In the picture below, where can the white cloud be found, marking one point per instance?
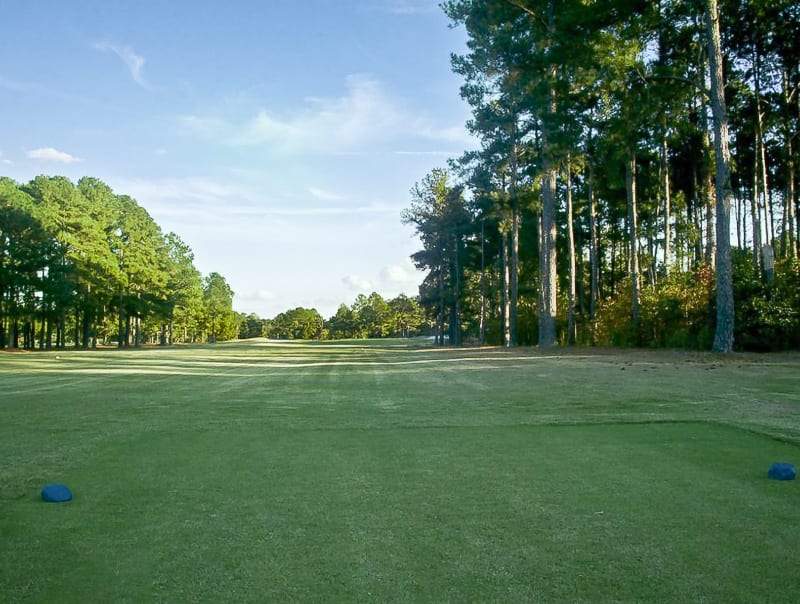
(358, 284)
(328, 211)
(324, 195)
(400, 276)
(201, 199)
(360, 117)
(391, 281)
(184, 189)
(366, 118)
(51, 154)
(134, 62)
(5, 161)
(261, 295)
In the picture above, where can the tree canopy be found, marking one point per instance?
(603, 205)
(80, 264)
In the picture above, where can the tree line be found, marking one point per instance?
(635, 182)
(81, 265)
(367, 317)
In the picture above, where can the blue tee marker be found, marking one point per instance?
(781, 470)
(56, 493)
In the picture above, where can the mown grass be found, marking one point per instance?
(308, 472)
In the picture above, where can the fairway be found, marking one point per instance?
(394, 472)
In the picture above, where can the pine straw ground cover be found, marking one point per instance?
(269, 472)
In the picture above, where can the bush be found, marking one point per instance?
(676, 313)
(767, 313)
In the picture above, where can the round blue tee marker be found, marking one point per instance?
(56, 493)
(781, 470)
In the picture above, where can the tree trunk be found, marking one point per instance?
(755, 215)
(121, 322)
(667, 202)
(710, 201)
(515, 225)
(741, 223)
(694, 216)
(547, 250)
(633, 240)
(512, 321)
(723, 337)
(547, 278)
(440, 320)
(708, 207)
(571, 331)
(482, 328)
(506, 290)
(455, 314)
(594, 254)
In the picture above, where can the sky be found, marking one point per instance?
(278, 138)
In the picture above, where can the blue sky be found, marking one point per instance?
(279, 139)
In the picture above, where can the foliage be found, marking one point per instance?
(297, 324)
(219, 318)
(676, 314)
(80, 264)
(368, 317)
(250, 326)
(600, 122)
(442, 220)
(767, 312)
(679, 313)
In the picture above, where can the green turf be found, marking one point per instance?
(394, 473)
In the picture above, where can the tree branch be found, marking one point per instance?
(527, 10)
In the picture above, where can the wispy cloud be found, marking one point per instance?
(407, 7)
(430, 153)
(357, 284)
(51, 154)
(261, 295)
(197, 198)
(5, 161)
(366, 118)
(324, 195)
(400, 276)
(390, 281)
(185, 189)
(134, 62)
(327, 211)
(34, 88)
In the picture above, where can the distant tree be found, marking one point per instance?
(405, 316)
(250, 326)
(218, 308)
(297, 324)
(77, 225)
(372, 316)
(184, 293)
(82, 264)
(27, 255)
(442, 220)
(343, 324)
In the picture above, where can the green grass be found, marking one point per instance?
(395, 473)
